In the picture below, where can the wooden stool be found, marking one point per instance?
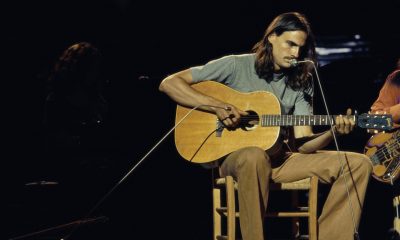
(228, 210)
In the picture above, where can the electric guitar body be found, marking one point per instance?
(384, 151)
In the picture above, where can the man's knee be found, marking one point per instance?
(361, 163)
(255, 157)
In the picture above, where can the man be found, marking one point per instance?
(388, 100)
(269, 68)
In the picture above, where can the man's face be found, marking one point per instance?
(286, 47)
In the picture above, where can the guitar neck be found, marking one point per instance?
(298, 120)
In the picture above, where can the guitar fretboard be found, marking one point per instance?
(297, 120)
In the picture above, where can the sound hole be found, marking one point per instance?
(250, 121)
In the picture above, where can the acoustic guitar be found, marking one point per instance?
(202, 138)
(384, 151)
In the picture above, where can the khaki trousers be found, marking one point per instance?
(251, 167)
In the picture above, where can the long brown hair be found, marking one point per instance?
(73, 69)
(298, 77)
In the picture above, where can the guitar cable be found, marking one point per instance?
(295, 63)
(134, 167)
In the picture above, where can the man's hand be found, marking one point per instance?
(344, 124)
(230, 115)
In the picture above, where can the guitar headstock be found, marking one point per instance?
(382, 122)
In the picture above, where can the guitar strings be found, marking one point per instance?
(287, 116)
(382, 156)
(392, 146)
(277, 120)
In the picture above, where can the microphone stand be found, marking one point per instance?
(294, 63)
(63, 226)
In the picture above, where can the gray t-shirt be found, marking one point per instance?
(238, 72)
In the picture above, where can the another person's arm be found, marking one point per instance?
(389, 98)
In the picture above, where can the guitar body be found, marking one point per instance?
(196, 138)
(384, 151)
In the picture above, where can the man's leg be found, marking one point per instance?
(251, 168)
(336, 220)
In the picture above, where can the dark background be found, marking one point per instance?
(165, 197)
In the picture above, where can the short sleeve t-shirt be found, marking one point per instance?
(238, 72)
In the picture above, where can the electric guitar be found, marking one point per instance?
(202, 138)
(384, 151)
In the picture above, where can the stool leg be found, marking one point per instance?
(295, 220)
(231, 212)
(312, 204)
(217, 217)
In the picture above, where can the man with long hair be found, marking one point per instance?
(270, 68)
(75, 112)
